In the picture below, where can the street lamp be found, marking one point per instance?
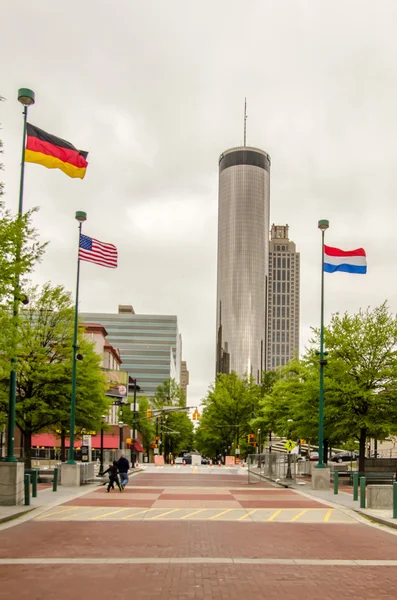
(101, 457)
(323, 226)
(289, 474)
(259, 441)
(80, 216)
(121, 425)
(27, 98)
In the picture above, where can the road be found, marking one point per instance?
(200, 533)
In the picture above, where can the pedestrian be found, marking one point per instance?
(123, 466)
(113, 477)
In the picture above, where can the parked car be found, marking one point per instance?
(313, 456)
(179, 460)
(344, 457)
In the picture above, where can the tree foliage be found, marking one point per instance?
(360, 385)
(44, 368)
(229, 407)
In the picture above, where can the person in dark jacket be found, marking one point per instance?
(123, 466)
(113, 477)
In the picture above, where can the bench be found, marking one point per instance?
(381, 477)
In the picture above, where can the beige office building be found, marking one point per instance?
(283, 299)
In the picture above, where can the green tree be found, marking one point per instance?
(229, 408)
(143, 424)
(362, 374)
(169, 393)
(44, 367)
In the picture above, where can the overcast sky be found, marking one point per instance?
(155, 92)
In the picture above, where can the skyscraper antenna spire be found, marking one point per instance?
(245, 121)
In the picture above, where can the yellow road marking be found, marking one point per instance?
(251, 512)
(327, 516)
(166, 513)
(195, 470)
(275, 514)
(221, 513)
(145, 510)
(113, 512)
(296, 517)
(196, 512)
(58, 512)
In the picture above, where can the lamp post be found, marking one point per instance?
(289, 474)
(259, 441)
(27, 98)
(101, 457)
(121, 425)
(80, 217)
(133, 454)
(323, 226)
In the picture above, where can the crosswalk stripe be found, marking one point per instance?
(166, 513)
(113, 512)
(275, 514)
(251, 512)
(138, 513)
(196, 512)
(327, 516)
(221, 513)
(296, 517)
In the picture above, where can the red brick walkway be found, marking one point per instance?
(185, 540)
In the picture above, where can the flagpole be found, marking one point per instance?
(323, 226)
(80, 217)
(26, 97)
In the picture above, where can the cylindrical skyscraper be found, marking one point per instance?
(243, 250)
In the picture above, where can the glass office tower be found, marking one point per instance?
(243, 259)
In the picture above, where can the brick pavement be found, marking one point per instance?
(226, 545)
(198, 582)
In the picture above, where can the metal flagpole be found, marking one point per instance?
(26, 98)
(80, 217)
(323, 226)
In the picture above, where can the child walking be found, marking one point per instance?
(113, 477)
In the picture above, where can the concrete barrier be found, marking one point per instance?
(380, 496)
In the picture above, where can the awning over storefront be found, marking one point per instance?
(137, 446)
(50, 440)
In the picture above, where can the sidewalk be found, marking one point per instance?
(345, 499)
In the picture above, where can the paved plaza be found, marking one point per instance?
(200, 534)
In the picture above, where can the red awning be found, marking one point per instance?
(50, 440)
(137, 446)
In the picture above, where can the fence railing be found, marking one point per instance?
(273, 466)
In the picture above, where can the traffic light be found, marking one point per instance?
(149, 413)
(250, 438)
(196, 415)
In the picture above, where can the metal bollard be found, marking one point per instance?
(27, 490)
(355, 486)
(55, 480)
(336, 482)
(35, 477)
(395, 500)
(362, 492)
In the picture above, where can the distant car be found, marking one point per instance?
(179, 460)
(344, 457)
(313, 456)
(204, 461)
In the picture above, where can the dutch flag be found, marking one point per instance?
(349, 261)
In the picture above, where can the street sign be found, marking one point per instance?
(237, 451)
(289, 445)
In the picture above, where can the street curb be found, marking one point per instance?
(379, 520)
(16, 516)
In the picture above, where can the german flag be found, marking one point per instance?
(54, 153)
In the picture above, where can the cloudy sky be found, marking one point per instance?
(155, 92)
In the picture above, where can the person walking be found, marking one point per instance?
(113, 477)
(123, 466)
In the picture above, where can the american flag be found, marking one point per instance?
(93, 250)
